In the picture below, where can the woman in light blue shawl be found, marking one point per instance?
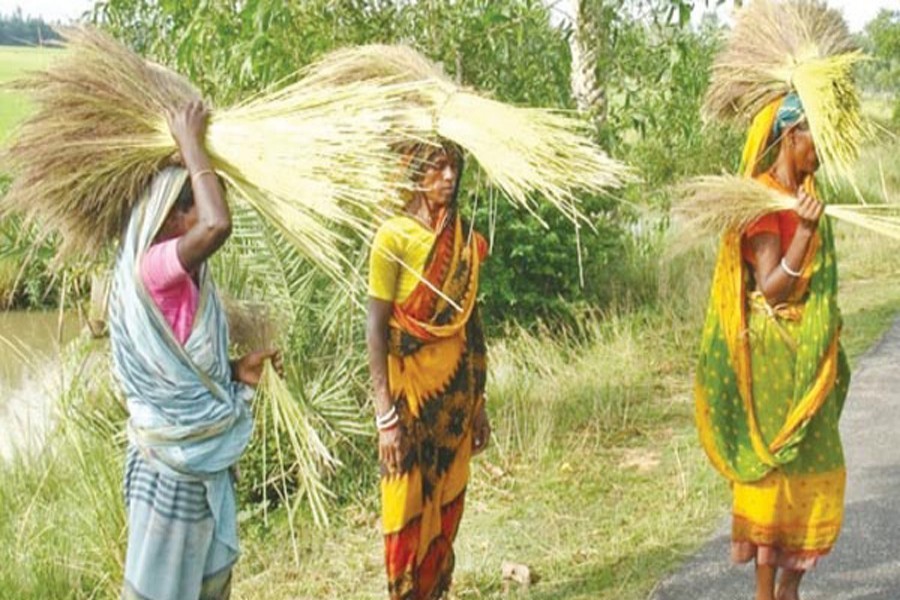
(189, 417)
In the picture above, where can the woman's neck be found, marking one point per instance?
(785, 174)
(420, 210)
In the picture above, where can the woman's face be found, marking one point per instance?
(188, 219)
(803, 149)
(439, 179)
(179, 222)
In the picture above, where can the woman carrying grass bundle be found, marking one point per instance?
(427, 359)
(189, 421)
(773, 377)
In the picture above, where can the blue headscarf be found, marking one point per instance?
(789, 114)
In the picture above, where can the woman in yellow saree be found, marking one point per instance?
(427, 360)
(772, 377)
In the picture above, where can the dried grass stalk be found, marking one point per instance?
(527, 152)
(302, 457)
(312, 159)
(779, 46)
(317, 158)
(251, 325)
(85, 154)
(711, 204)
(706, 206)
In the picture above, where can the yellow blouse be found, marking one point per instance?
(398, 257)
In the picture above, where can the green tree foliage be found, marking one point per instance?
(19, 30)
(882, 40)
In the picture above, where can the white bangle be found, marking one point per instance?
(388, 424)
(789, 270)
(390, 415)
(199, 174)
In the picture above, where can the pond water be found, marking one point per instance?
(29, 369)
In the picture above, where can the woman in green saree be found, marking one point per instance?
(772, 377)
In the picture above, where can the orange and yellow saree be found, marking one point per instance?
(436, 376)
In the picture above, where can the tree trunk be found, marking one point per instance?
(589, 96)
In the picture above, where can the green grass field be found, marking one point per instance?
(14, 62)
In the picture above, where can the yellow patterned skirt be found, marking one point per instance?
(793, 516)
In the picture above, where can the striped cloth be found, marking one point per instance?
(155, 501)
(188, 424)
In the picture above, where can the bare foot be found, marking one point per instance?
(765, 582)
(789, 585)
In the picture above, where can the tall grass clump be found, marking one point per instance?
(605, 377)
(63, 523)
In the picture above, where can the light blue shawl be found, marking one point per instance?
(187, 419)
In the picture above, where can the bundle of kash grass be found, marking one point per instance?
(301, 455)
(301, 420)
(313, 159)
(779, 46)
(706, 206)
(526, 152)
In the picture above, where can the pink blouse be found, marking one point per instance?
(171, 287)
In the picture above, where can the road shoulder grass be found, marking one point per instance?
(596, 480)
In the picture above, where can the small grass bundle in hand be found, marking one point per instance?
(301, 454)
(706, 206)
(710, 204)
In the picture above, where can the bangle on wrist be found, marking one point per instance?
(389, 425)
(788, 269)
(388, 419)
(201, 173)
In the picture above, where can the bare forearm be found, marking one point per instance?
(212, 210)
(213, 225)
(195, 157)
(377, 341)
(378, 369)
(778, 284)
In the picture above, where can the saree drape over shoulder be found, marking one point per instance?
(436, 374)
(188, 424)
